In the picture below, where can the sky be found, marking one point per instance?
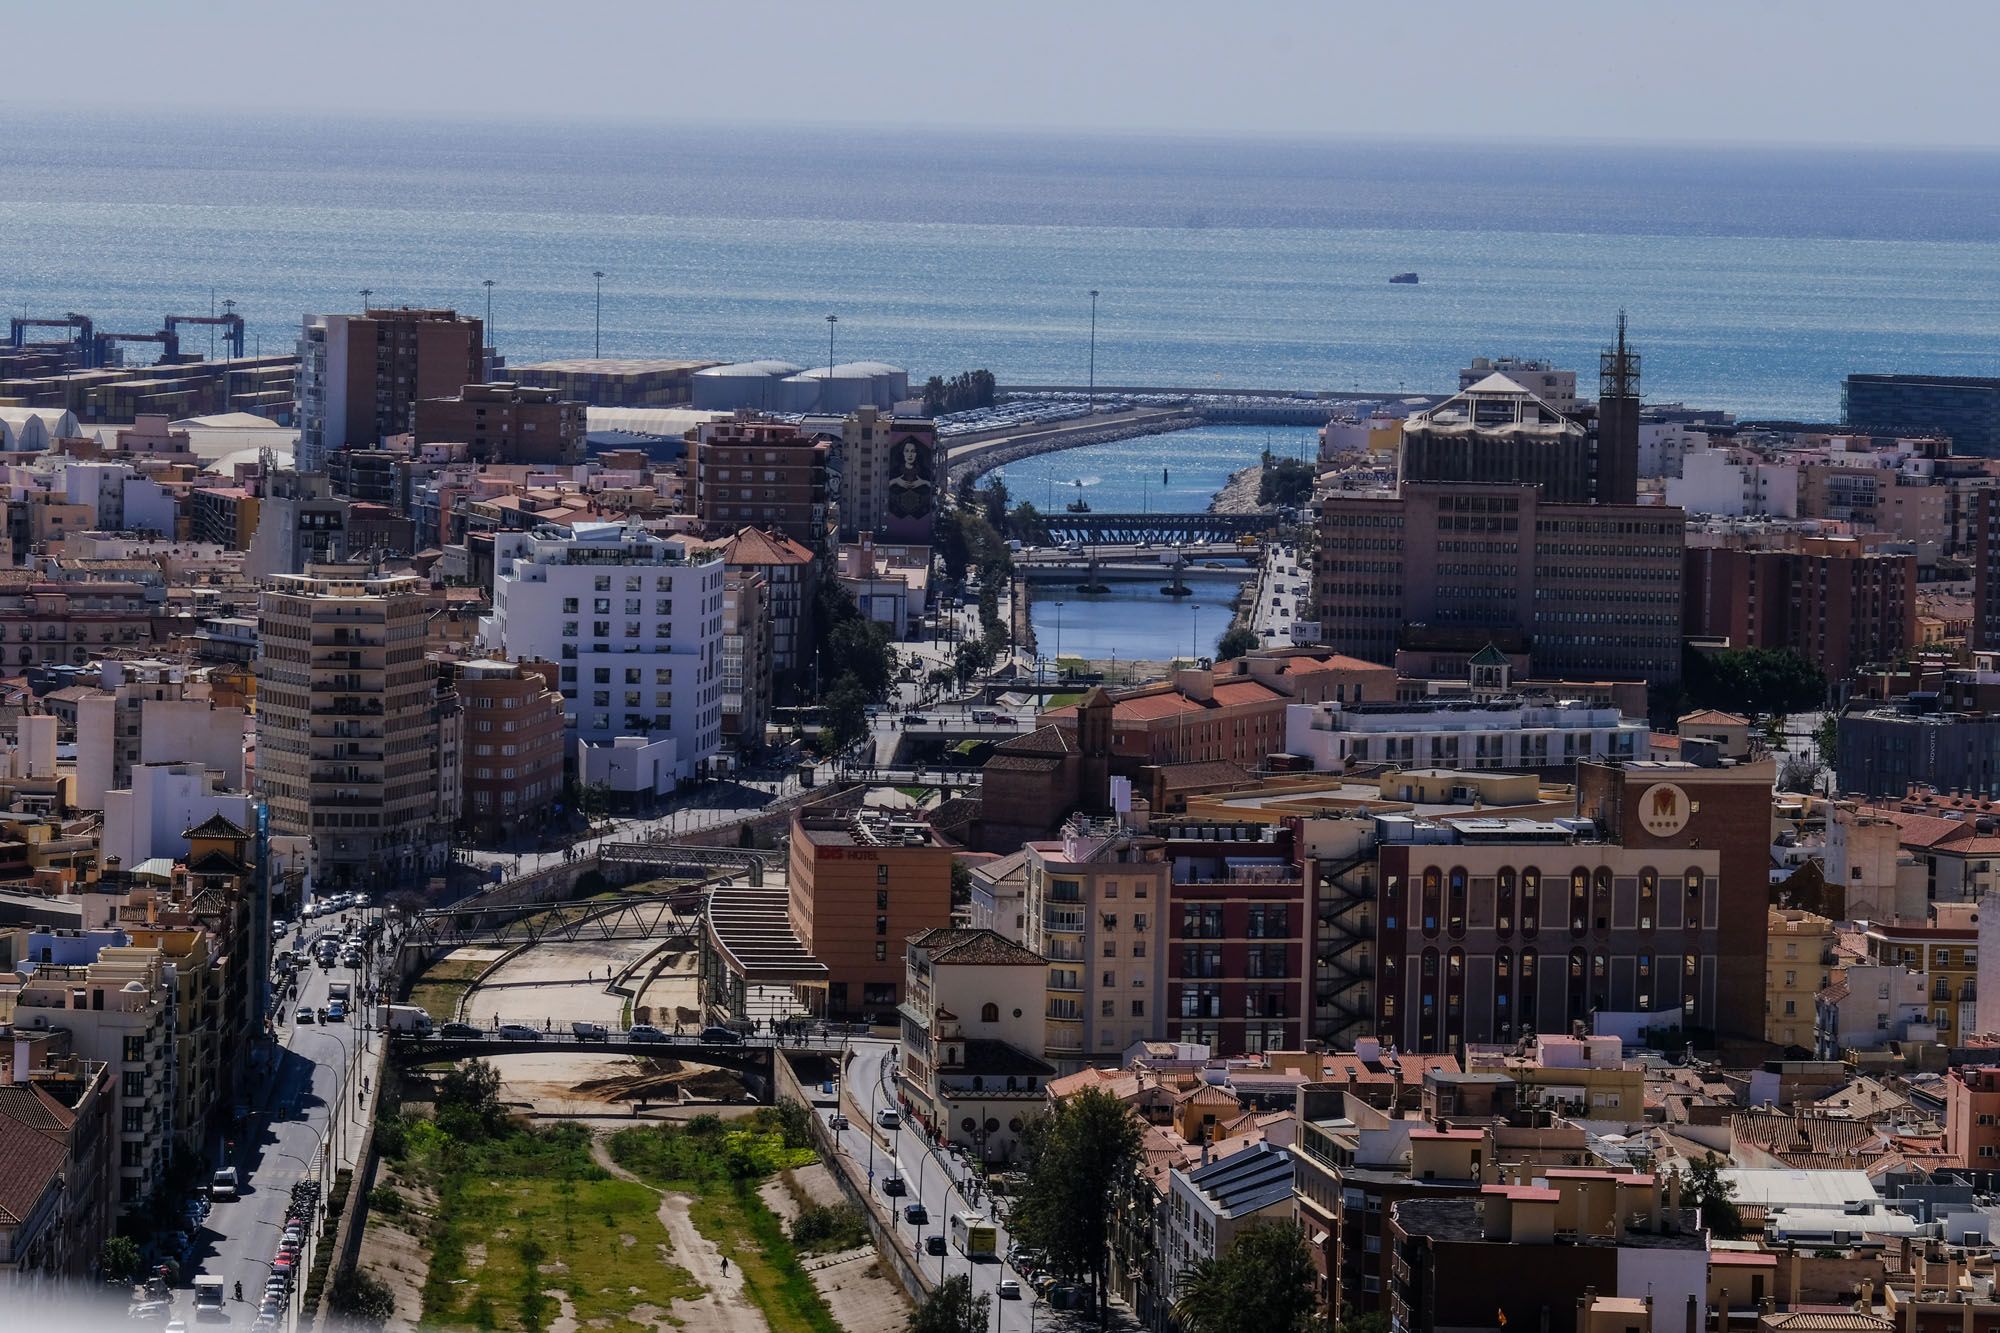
(1834, 72)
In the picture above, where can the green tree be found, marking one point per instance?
(1285, 481)
(961, 883)
(1354, 1321)
(362, 1298)
(1082, 1164)
(846, 707)
(952, 1308)
(933, 395)
(860, 648)
(1241, 639)
(1752, 680)
(1826, 736)
(1027, 524)
(994, 502)
(1263, 1281)
(1703, 1187)
(954, 545)
(468, 1101)
(119, 1259)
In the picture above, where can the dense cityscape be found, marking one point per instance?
(1149, 714)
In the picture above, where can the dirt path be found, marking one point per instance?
(724, 1307)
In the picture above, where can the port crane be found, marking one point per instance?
(231, 325)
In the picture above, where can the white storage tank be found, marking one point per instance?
(753, 384)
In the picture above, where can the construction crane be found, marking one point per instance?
(17, 331)
(101, 345)
(231, 325)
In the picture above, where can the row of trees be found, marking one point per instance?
(1285, 481)
(854, 655)
(961, 393)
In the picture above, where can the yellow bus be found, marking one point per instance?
(974, 1236)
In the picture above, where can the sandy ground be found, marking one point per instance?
(673, 993)
(861, 1298)
(554, 984)
(725, 1306)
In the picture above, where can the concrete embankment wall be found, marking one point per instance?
(975, 458)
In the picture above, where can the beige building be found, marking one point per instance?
(118, 1011)
(347, 726)
(746, 659)
(972, 1028)
(145, 714)
(1797, 961)
(1096, 900)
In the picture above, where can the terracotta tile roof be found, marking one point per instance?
(1043, 740)
(1151, 707)
(952, 944)
(1207, 773)
(32, 1149)
(754, 546)
(1921, 830)
(1229, 694)
(1714, 717)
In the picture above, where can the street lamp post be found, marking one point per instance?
(1059, 667)
(1093, 349)
(597, 343)
(831, 320)
(488, 285)
(1194, 648)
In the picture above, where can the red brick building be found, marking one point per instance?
(511, 764)
(1833, 600)
(1238, 919)
(746, 471)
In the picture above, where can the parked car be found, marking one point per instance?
(461, 1031)
(916, 1215)
(721, 1036)
(644, 1032)
(894, 1187)
(519, 1032)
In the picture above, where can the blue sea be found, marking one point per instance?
(1755, 279)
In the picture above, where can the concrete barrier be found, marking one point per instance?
(899, 1264)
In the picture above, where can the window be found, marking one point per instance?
(1138, 1008)
(881, 925)
(135, 1050)
(881, 951)
(1110, 948)
(881, 900)
(1138, 948)
(1139, 919)
(881, 874)
(1108, 1009)
(989, 1012)
(1110, 979)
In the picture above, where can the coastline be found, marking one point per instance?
(1239, 496)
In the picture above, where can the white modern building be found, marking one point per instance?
(633, 618)
(1209, 1205)
(164, 801)
(1504, 734)
(1731, 483)
(144, 715)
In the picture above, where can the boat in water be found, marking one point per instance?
(1078, 505)
(1404, 279)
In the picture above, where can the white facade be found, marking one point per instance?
(1497, 735)
(1555, 387)
(164, 801)
(633, 619)
(630, 765)
(145, 718)
(1664, 447)
(1208, 1206)
(1732, 483)
(120, 500)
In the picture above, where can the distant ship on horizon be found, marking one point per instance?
(1404, 279)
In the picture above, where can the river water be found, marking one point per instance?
(1134, 620)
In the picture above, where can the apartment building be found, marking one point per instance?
(300, 522)
(1239, 926)
(348, 749)
(1965, 409)
(57, 1210)
(1510, 734)
(972, 1034)
(633, 621)
(119, 1011)
(142, 714)
(1972, 1117)
(791, 580)
(749, 471)
(858, 884)
(361, 376)
(1799, 956)
(746, 660)
(1945, 955)
(511, 766)
(1095, 905)
(225, 516)
(52, 622)
(888, 470)
(1834, 600)
(506, 423)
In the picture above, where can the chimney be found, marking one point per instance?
(21, 1049)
